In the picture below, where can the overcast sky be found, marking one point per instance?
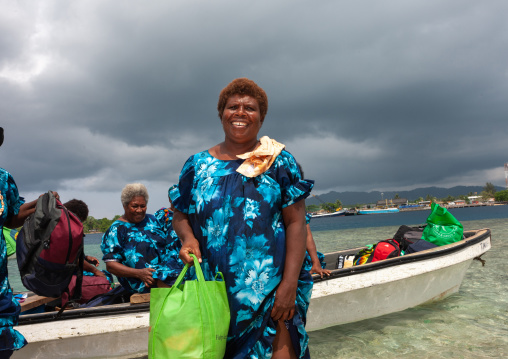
(367, 95)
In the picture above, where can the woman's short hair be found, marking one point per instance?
(78, 207)
(133, 190)
(243, 86)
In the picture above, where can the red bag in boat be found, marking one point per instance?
(384, 250)
(49, 248)
(91, 286)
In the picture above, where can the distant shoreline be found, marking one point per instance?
(451, 207)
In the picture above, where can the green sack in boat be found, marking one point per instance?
(10, 240)
(442, 227)
(189, 320)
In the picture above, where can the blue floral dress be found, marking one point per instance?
(152, 243)
(238, 223)
(10, 201)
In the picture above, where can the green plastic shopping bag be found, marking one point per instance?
(190, 319)
(10, 240)
(442, 227)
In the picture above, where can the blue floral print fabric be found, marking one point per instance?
(238, 223)
(10, 201)
(307, 262)
(152, 243)
(164, 217)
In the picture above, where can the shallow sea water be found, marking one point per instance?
(472, 323)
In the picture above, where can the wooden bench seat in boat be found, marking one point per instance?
(34, 301)
(139, 298)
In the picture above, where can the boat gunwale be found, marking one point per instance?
(477, 236)
(80, 313)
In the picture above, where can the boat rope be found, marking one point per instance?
(482, 261)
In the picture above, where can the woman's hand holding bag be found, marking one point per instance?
(190, 319)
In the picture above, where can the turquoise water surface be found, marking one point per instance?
(472, 323)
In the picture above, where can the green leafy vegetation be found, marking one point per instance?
(501, 196)
(313, 208)
(98, 225)
(489, 191)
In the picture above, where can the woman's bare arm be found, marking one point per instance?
(296, 235)
(312, 250)
(25, 210)
(121, 270)
(190, 244)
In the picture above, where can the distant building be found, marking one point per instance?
(474, 199)
(392, 202)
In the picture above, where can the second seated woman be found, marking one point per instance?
(138, 248)
(240, 209)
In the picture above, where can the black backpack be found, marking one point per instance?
(406, 236)
(419, 245)
(49, 249)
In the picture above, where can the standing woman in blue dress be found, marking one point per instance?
(13, 212)
(239, 207)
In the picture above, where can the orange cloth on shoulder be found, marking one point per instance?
(259, 161)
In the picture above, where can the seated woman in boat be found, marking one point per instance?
(139, 249)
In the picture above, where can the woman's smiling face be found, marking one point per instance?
(241, 119)
(135, 211)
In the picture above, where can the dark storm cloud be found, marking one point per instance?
(366, 95)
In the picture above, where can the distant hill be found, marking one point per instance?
(352, 198)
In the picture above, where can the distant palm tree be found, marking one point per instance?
(449, 199)
(490, 189)
(338, 204)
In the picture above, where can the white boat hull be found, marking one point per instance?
(378, 211)
(391, 289)
(116, 336)
(352, 303)
(333, 214)
(369, 291)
